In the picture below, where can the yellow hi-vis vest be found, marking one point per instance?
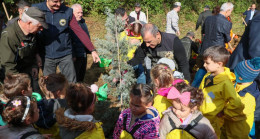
(128, 134)
(96, 133)
(183, 133)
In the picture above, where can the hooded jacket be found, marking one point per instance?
(220, 95)
(203, 130)
(78, 126)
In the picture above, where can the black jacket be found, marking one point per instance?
(248, 46)
(189, 46)
(202, 18)
(217, 32)
(170, 47)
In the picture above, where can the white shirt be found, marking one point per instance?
(172, 22)
(142, 16)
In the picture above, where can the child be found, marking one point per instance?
(219, 93)
(78, 121)
(184, 115)
(162, 78)
(141, 120)
(15, 85)
(20, 113)
(246, 72)
(54, 88)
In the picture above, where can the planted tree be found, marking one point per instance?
(121, 76)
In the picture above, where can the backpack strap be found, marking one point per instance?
(193, 123)
(29, 134)
(172, 123)
(124, 122)
(135, 128)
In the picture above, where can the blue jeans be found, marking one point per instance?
(198, 77)
(139, 72)
(65, 64)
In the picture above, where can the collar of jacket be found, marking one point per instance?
(46, 9)
(69, 113)
(20, 33)
(226, 75)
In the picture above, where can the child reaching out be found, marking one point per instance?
(141, 120)
(54, 88)
(20, 113)
(184, 115)
(78, 121)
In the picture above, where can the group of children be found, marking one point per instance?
(224, 106)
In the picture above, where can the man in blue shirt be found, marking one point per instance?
(56, 40)
(250, 13)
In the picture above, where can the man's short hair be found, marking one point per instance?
(217, 54)
(76, 6)
(153, 29)
(22, 3)
(120, 11)
(226, 6)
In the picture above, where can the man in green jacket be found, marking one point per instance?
(17, 43)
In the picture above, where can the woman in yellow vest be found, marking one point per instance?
(77, 122)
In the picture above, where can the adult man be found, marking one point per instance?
(157, 45)
(203, 15)
(138, 14)
(217, 28)
(22, 5)
(250, 13)
(56, 39)
(188, 44)
(173, 19)
(78, 48)
(17, 43)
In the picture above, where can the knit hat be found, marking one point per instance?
(247, 70)
(168, 62)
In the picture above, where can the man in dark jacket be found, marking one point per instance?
(57, 40)
(248, 46)
(157, 45)
(17, 43)
(78, 48)
(216, 29)
(203, 15)
(250, 13)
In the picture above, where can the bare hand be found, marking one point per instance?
(95, 57)
(134, 41)
(34, 73)
(39, 60)
(178, 33)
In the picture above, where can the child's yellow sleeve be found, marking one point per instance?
(234, 106)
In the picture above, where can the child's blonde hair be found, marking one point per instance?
(15, 83)
(163, 74)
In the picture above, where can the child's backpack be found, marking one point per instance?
(183, 133)
(128, 134)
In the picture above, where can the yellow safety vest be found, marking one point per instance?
(183, 133)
